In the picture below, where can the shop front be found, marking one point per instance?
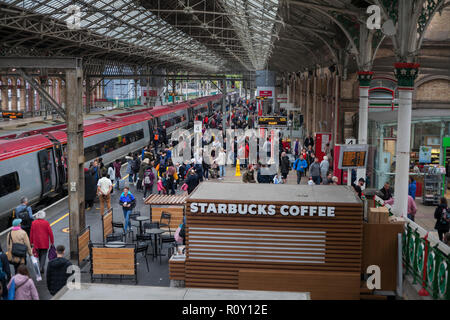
(428, 146)
(276, 238)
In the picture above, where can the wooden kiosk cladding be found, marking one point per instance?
(83, 240)
(225, 250)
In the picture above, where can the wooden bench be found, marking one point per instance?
(113, 261)
(83, 240)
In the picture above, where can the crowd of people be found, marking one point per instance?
(21, 246)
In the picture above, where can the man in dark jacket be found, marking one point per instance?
(192, 181)
(386, 192)
(57, 271)
(5, 274)
(90, 188)
(285, 166)
(309, 141)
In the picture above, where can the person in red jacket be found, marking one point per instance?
(40, 234)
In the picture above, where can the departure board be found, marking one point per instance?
(354, 159)
(272, 121)
(12, 114)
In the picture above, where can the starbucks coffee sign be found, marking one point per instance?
(261, 209)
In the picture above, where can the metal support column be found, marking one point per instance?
(224, 102)
(75, 147)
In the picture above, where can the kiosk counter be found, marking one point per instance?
(275, 237)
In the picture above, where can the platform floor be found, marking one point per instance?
(116, 292)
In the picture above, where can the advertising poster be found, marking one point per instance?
(425, 154)
(321, 143)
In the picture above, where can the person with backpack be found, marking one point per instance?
(300, 166)
(24, 212)
(41, 237)
(18, 245)
(5, 275)
(117, 176)
(442, 216)
(23, 285)
(140, 182)
(148, 180)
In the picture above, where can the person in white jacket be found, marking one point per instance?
(220, 160)
(324, 167)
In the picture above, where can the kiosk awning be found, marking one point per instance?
(163, 200)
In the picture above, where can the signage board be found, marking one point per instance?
(12, 114)
(353, 156)
(265, 93)
(425, 154)
(273, 121)
(197, 127)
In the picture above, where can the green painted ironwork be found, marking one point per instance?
(437, 280)
(125, 103)
(406, 74)
(437, 273)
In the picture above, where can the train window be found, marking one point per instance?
(110, 145)
(9, 183)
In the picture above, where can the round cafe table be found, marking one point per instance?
(141, 219)
(115, 244)
(155, 232)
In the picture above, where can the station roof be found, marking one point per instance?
(210, 36)
(269, 193)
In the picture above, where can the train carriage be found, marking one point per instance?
(33, 164)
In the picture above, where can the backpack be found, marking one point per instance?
(135, 165)
(26, 221)
(149, 177)
(445, 216)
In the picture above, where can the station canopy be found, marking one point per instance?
(209, 36)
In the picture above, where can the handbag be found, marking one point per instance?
(51, 253)
(18, 249)
(184, 187)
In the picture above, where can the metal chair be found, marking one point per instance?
(114, 237)
(165, 216)
(142, 248)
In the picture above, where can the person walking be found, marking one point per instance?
(285, 166)
(41, 236)
(412, 188)
(104, 188)
(18, 245)
(5, 274)
(135, 166)
(314, 171)
(442, 216)
(129, 171)
(148, 180)
(112, 174)
(144, 165)
(89, 187)
(296, 148)
(324, 167)
(309, 141)
(24, 285)
(221, 159)
(24, 212)
(155, 173)
(117, 176)
(300, 166)
(57, 271)
(127, 201)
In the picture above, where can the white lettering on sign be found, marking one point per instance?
(262, 209)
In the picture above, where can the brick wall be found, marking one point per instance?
(435, 90)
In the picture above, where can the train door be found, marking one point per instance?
(150, 129)
(59, 163)
(47, 171)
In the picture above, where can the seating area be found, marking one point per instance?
(119, 253)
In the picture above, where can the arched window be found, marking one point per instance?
(383, 95)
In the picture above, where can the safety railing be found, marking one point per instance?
(425, 258)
